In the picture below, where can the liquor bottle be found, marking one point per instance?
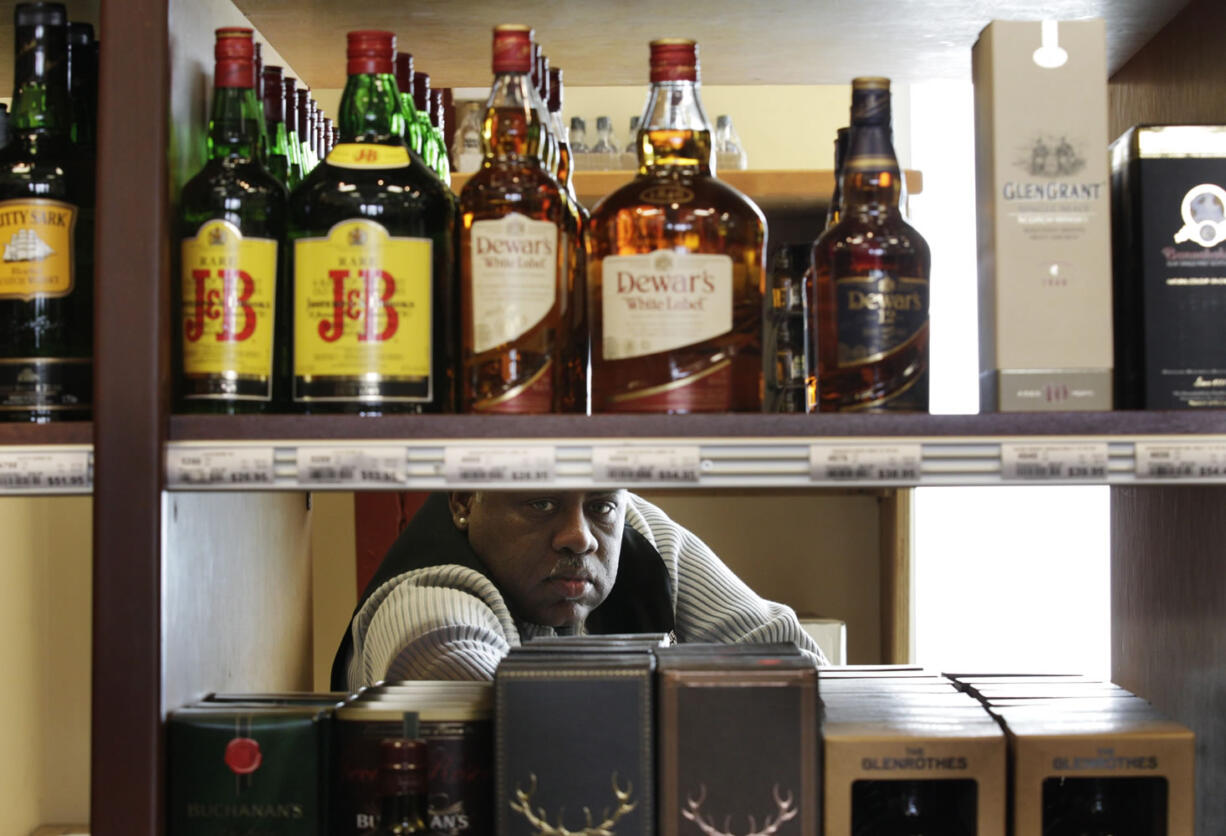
(278, 161)
(306, 155)
(46, 275)
(438, 124)
(549, 143)
(729, 151)
(629, 158)
(675, 270)
(512, 251)
(834, 210)
(790, 384)
(232, 322)
(578, 135)
(317, 134)
(575, 353)
(371, 231)
(910, 808)
(4, 125)
(404, 85)
(421, 116)
(869, 316)
(294, 144)
(83, 85)
(402, 787)
(466, 153)
(606, 142)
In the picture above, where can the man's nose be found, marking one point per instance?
(573, 533)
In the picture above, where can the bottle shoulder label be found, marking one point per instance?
(368, 155)
(37, 239)
(514, 268)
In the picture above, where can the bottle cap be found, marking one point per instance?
(723, 120)
(674, 59)
(40, 14)
(577, 124)
(233, 52)
(304, 112)
(404, 72)
(421, 92)
(274, 94)
(603, 123)
(437, 110)
(512, 48)
(555, 89)
(870, 101)
(80, 34)
(370, 52)
(543, 85)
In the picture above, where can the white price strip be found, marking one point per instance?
(214, 468)
(1053, 462)
(1180, 460)
(864, 463)
(646, 464)
(53, 471)
(359, 466)
(476, 465)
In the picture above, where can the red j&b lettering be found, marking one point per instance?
(230, 304)
(361, 303)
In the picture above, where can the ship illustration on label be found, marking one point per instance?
(1050, 156)
(1204, 216)
(538, 818)
(25, 245)
(785, 811)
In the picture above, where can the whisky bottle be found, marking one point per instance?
(512, 251)
(231, 323)
(371, 233)
(575, 354)
(305, 155)
(834, 210)
(790, 385)
(278, 161)
(404, 85)
(675, 270)
(296, 171)
(46, 275)
(549, 142)
(421, 115)
(870, 311)
(438, 124)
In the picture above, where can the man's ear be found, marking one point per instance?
(461, 503)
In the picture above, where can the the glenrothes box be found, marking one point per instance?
(1044, 216)
(1169, 200)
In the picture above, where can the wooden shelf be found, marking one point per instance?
(42, 435)
(768, 189)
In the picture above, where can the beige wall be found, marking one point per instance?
(45, 612)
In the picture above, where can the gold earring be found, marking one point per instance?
(461, 521)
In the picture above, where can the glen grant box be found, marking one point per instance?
(738, 739)
(573, 743)
(1044, 216)
(1169, 196)
(248, 769)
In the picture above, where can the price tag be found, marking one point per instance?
(476, 465)
(65, 470)
(1180, 460)
(1053, 462)
(187, 468)
(646, 464)
(873, 464)
(358, 466)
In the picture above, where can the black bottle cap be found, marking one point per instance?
(40, 14)
(80, 34)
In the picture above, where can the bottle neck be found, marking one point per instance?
(674, 132)
(512, 126)
(236, 128)
(40, 85)
(371, 110)
(405, 810)
(566, 165)
(871, 177)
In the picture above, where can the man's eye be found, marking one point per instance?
(603, 508)
(544, 506)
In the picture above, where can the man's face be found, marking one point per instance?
(553, 554)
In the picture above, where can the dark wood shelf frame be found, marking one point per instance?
(40, 435)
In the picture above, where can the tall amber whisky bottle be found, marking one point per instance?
(675, 266)
(46, 274)
(371, 235)
(870, 311)
(512, 261)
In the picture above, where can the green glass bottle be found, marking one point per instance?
(371, 231)
(274, 120)
(305, 115)
(421, 114)
(438, 125)
(46, 275)
(291, 131)
(232, 324)
(404, 86)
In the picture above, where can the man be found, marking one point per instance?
(477, 573)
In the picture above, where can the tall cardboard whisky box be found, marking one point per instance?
(1121, 771)
(1044, 215)
(1169, 200)
(574, 735)
(738, 743)
(940, 771)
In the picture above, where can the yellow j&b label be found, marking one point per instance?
(368, 155)
(37, 258)
(229, 291)
(362, 303)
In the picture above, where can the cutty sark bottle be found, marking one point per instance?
(371, 231)
(675, 266)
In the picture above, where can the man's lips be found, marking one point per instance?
(571, 586)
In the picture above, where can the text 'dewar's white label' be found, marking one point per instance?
(663, 300)
(515, 277)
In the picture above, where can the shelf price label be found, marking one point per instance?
(371, 467)
(1073, 462)
(865, 464)
(241, 467)
(479, 465)
(60, 470)
(1191, 460)
(661, 465)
